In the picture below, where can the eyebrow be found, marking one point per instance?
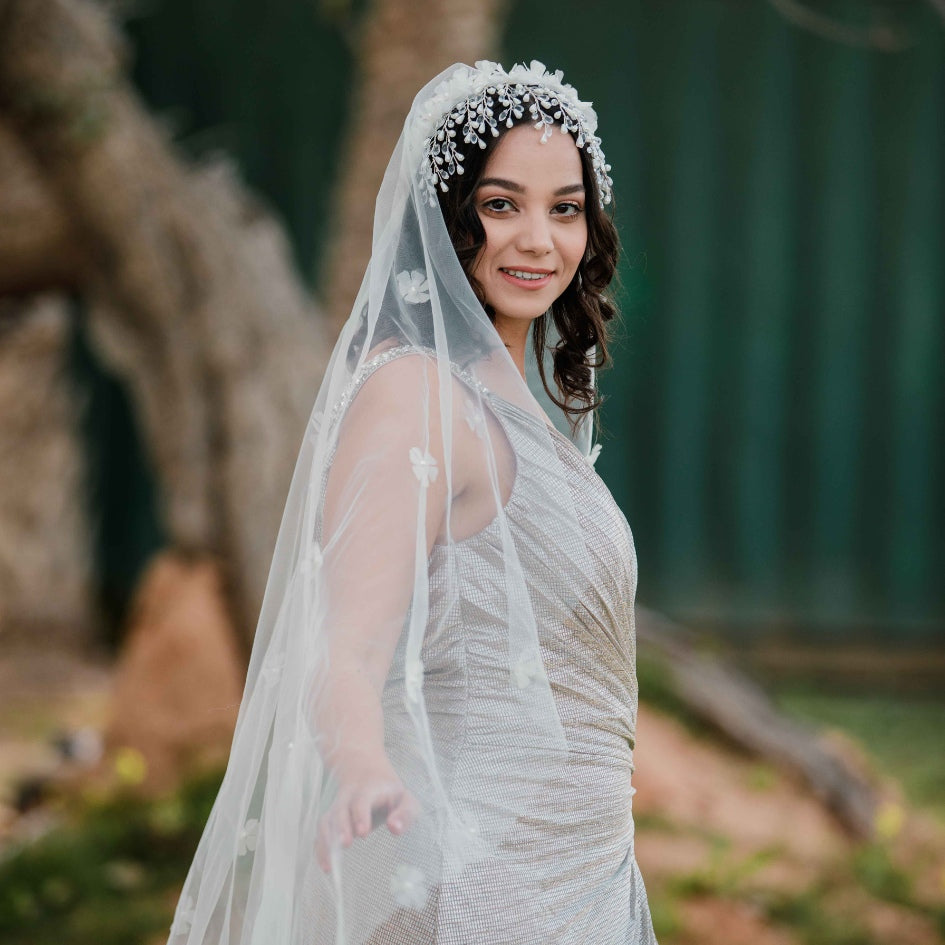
(519, 189)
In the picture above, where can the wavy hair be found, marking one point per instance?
(580, 314)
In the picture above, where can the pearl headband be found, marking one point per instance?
(474, 102)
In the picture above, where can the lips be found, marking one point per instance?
(526, 277)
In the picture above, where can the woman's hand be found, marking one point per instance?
(370, 793)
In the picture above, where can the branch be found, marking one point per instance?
(881, 37)
(736, 706)
(189, 282)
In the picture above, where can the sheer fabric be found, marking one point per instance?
(452, 573)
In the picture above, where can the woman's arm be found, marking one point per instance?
(373, 500)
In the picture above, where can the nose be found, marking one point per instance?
(534, 235)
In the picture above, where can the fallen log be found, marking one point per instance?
(725, 698)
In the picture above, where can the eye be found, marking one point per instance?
(568, 209)
(498, 204)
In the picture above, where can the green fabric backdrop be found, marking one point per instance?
(776, 418)
(777, 411)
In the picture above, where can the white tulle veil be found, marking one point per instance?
(373, 545)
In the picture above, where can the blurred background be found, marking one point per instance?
(186, 199)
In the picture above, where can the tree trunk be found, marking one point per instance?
(403, 44)
(45, 536)
(189, 282)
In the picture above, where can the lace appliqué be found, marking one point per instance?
(271, 672)
(475, 419)
(184, 918)
(248, 838)
(527, 668)
(424, 466)
(413, 286)
(315, 422)
(408, 887)
(311, 560)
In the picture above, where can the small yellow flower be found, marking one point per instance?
(889, 820)
(130, 766)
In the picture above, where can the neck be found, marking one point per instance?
(514, 335)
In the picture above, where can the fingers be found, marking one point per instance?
(360, 812)
(357, 815)
(333, 828)
(402, 812)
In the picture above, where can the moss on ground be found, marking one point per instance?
(109, 876)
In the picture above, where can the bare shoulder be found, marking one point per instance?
(405, 380)
(411, 379)
(401, 402)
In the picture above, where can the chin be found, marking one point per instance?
(525, 312)
(525, 316)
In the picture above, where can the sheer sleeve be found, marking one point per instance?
(385, 502)
(384, 505)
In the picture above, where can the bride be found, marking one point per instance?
(435, 744)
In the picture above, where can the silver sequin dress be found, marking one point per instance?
(568, 874)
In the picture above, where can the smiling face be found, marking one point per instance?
(531, 204)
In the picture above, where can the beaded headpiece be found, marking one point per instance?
(475, 102)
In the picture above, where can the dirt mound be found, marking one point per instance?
(724, 841)
(179, 677)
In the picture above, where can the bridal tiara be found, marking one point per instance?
(475, 102)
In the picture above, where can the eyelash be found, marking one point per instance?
(487, 204)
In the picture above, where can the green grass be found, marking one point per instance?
(724, 875)
(110, 875)
(810, 918)
(903, 735)
(108, 878)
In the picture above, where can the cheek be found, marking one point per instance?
(575, 247)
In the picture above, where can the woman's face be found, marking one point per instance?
(531, 204)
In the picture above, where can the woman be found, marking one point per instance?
(436, 739)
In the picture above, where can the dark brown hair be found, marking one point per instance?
(580, 313)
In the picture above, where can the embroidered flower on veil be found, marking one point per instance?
(413, 286)
(527, 669)
(185, 916)
(311, 560)
(408, 887)
(249, 835)
(475, 419)
(272, 669)
(424, 466)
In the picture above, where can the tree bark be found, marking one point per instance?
(45, 534)
(192, 296)
(38, 249)
(402, 45)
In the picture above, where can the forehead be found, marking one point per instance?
(522, 156)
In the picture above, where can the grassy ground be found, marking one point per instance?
(108, 877)
(904, 736)
(111, 873)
